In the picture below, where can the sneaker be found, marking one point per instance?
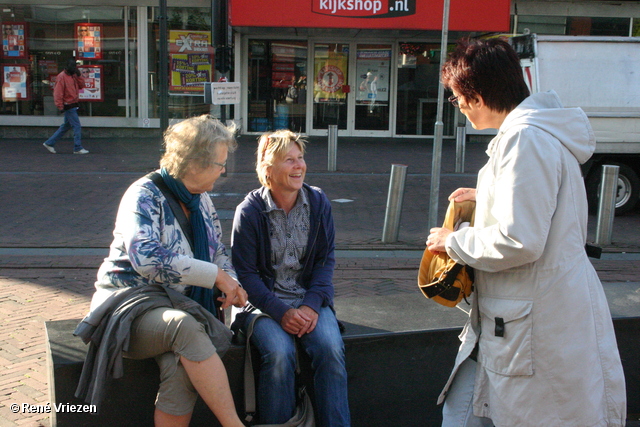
(82, 151)
(50, 148)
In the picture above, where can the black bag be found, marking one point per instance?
(303, 416)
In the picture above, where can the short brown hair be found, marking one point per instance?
(195, 142)
(487, 68)
(274, 145)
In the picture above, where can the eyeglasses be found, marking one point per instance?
(222, 165)
(454, 100)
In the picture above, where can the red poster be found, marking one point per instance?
(93, 90)
(89, 41)
(14, 40)
(15, 85)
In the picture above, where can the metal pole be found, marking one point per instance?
(461, 136)
(394, 204)
(332, 148)
(434, 193)
(163, 72)
(607, 204)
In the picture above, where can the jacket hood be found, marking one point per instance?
(569, 125)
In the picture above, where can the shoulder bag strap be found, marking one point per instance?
(249, 380)
(175, 206)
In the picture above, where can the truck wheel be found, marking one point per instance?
(627, 191)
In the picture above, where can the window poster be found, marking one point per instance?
(372, 67)
(89, 41)
(282, 66)
(330, 77)
(14, 42)
(14, 83)
(190, 58)
(92, 75)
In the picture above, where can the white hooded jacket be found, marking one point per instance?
(547, 350)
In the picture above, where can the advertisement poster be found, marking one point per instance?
(89, 41)
(14, 42)
(14, 83)
(330, 77)
(190, 61)
(372, 68)
(92, 83)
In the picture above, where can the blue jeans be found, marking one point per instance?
(276, 385)
(71, 120)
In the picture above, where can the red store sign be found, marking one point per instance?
(464, 15)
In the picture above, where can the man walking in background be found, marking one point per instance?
(66, 97)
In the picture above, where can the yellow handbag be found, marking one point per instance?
(440, 278)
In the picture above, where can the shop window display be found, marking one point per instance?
(191, 58)
(38, 40)
(277, 85)
(418, 74)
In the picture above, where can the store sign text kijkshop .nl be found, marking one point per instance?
(365, 8)
(464, 15)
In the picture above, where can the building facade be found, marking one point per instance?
(368, 66)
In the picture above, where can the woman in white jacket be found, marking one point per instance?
(539, 348)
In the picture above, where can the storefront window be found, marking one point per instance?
(417, 101)
(191, 62)
(548, 25)
(38, 42)
(573, 25)
(277, 85)
(585, 26)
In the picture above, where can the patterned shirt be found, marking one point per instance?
(289, 236)
(149, 246)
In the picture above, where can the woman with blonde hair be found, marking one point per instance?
(283, 251)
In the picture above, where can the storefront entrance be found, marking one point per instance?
(351, 88)
(366, 89)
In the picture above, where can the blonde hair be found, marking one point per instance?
(194, 142)
(273, 146)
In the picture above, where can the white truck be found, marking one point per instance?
(602, 76)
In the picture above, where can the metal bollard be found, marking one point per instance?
(332, 148)
(394, 204)
(461, 136)
(607, 204)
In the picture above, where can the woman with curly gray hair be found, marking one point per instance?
(158, 264)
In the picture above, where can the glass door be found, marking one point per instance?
(330, 85)
(351, 91)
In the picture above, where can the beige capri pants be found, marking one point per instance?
(166, 334)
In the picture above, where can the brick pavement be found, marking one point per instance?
(67, 201)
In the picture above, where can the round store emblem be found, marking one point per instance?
(330, 78)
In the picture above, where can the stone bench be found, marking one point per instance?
(399, 356)
(393, 376)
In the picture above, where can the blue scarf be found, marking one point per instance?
(203, 296)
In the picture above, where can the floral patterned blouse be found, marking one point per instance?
(149, 246)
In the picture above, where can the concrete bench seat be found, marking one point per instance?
(396, 367)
